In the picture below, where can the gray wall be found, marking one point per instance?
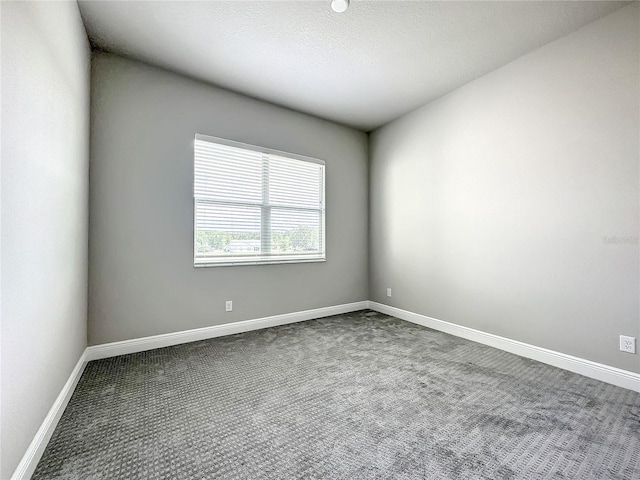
(496, 206)
(142, 280)
(44, 183)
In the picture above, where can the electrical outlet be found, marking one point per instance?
(388, 292)
(228, 307)
(627, 344)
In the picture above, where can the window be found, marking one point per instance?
(254, 205)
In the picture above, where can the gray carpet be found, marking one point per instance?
(353, 396)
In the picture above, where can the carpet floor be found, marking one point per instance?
(355, 396)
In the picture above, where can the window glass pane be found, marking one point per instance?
(227, 230)
(295, 183)
(296, 231)
(227, 173)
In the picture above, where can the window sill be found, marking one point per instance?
(235, 263)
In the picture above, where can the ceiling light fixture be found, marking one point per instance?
(339, 6)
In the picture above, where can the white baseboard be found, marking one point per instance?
(32, 456)
(124, 347)
(605, 373)
(30, 460)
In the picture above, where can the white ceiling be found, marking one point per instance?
(363, 68)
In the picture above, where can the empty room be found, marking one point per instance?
(325, 239)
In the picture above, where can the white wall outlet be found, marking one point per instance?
(627, 344)
(228, 307)
(388, 292)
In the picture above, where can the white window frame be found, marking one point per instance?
(265, 207)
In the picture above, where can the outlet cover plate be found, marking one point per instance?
(627, 344)
(228, 306)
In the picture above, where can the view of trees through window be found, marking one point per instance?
(216, 242)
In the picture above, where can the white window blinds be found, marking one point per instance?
(255, 205)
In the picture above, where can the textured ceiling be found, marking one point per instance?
(363, 68)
